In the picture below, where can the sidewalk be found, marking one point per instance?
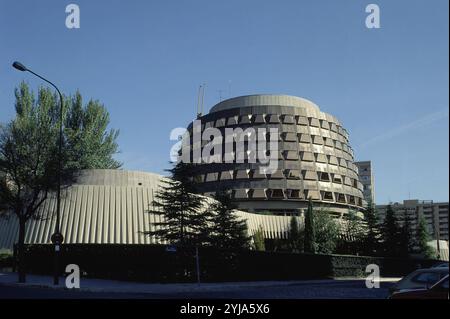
(101, 285)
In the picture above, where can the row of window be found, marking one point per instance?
(301, 138)
(278, 119)
(251, 157)
(278, 174)
(264, 193)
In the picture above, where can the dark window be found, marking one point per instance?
(324, 177)
(327, 196)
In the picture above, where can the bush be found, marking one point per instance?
(6, 260)
(152, 263)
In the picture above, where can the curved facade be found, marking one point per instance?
(315, 159)
(110, 207)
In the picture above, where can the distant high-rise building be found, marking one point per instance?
(367, 180)
(435, 214)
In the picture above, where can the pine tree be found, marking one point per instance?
(406, 242)
(226, 230)
(372, 238)
(310, 238)
(391, 233)
(184, 220)
(423, 237)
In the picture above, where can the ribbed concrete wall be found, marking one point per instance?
(111, 207)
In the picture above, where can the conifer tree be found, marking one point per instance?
(184, 220)
(406, 239)
(372, 239)
(423, 237)
(391, 233)
(226, 230)
(295, 236)
(310, 238)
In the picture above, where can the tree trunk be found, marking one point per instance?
(20, 251)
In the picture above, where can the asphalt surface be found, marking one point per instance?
(338, 289)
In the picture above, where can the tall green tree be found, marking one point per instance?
(353, 232)
(371, 243)
(184, 220)
(90, 142)
(406, 238)
(326, 231)
(423, 237)
(391, 233)
(295, 235)
(226, 230)
(310, 236)
(29, 159)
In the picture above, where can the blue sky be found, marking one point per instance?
(145, 60)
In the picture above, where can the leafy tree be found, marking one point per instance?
(326, 231)
(258, 239)
(391, 233)
(29, 158)
(90, 143)
(310, 238)
(423, 237)
(352, 231)
(371, 243)
(295, 236)
(184, 221)
(226, 231)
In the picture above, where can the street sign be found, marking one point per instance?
(171, 249)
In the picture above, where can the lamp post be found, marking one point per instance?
(57, 237)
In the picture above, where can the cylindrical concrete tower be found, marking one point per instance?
(315, 160)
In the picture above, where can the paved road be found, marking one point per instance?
(344, 289)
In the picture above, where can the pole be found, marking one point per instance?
(197, 260)
(58, 191)
(58, 194)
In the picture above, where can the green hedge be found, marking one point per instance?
(152, 263)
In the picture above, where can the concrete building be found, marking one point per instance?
(367, 180)
(111, 207)
(435, 214)
(315, 159)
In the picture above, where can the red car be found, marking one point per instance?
(438, 291)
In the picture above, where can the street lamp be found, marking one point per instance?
(57, 237)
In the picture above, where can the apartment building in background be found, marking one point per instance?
(367, 180)
(435, 214)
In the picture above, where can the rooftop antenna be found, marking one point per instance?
(220, 95)
(203, 98)
(199, 102)
(229, 88)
